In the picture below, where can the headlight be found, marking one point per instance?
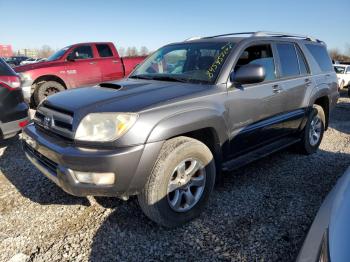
(103, 127)
(25, 77)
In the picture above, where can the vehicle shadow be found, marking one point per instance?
(260, 212)
(28, 180)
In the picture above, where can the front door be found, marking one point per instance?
(254, 108)
(82, 68)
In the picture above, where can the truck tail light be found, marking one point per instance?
(11, 83)
(23, 123)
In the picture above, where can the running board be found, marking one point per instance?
(258, 153)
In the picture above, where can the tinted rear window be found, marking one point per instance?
(321, 56)
(288, 60)
(104, 50)
(5, 70)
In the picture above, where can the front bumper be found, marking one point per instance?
(55, 157)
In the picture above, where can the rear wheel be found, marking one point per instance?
(47, 89)
(180, 184)
(313, 132)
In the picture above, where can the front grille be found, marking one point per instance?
(49, 164)
(55, 120)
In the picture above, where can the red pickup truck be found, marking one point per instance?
(77, 65)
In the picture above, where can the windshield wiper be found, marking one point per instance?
(169, 78)
(140, 77)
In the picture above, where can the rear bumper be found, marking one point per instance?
(56, 158)
(10, 129)
(27, 93)
(10, 119)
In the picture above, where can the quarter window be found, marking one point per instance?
(348, 70)
(288, 59)
(321, 56)
(104, 50)
(260, 55)
(302, 62)
(83, 52)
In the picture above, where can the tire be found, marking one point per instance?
(307, 145)
(155, 199)
(46, 89)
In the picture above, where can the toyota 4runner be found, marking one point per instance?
(189, 111)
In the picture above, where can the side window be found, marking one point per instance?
(260, 55)
(104, 50)
(83, 52)
(348, 70)
(288, 59)
(304, 69)
(321, 56)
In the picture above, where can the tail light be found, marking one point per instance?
(10, 82)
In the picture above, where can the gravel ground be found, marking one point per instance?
(261, 212)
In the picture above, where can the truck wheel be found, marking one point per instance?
(46, 89)
(180, 184)
(313, 133)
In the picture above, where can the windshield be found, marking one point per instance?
(187, 62)
(58, 54)
(339, 69)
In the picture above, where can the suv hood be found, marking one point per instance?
(24, 68)
(123, 96)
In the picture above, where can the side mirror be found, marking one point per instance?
(71, 57)
(248, 74)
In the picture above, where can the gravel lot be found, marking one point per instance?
(260, 213)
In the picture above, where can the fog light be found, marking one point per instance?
(94, 178)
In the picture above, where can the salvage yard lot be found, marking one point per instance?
(261, 212)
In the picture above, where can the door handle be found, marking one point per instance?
(115, 61)
(92, 63)
(307, 82)
(276, 89)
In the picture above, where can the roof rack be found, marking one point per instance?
(262, 34)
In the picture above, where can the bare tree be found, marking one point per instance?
(131, 51)
(45, 51)
(121, 51)
(144, 51)
(336, 55)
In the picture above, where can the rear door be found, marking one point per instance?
(254, 109)
(109, 62)
(295, 83)
(83, 71)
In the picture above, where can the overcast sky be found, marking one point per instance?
(34, 23)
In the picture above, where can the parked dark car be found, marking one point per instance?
(16, 60)
(13, 109)
(329, 236)
(187, 112)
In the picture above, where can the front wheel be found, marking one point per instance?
(313, 132)
(180, 183)
(47, 89)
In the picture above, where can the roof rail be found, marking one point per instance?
(280, 34)
(262, 34)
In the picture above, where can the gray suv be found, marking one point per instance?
(189, 111)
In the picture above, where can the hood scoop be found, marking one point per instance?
(111, 86)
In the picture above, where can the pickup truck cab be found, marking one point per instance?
(190, 110)
(78, 65)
